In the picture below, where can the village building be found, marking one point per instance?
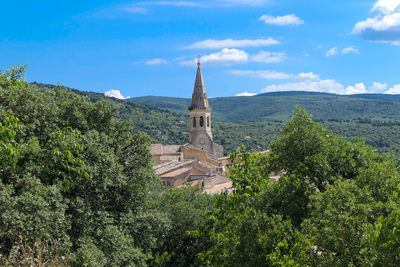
(201, 161)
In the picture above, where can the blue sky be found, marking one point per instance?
(136, 48)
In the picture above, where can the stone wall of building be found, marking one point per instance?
(192, 152)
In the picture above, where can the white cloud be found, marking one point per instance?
(312, 83)
(245, 93)
(156, 61)
(136, 10)
(265, 74)
(350, 49)
(378, 87)
(218, 44)
(232, 56)
(326, 86)
(291, 19)
(383, 23)
(358, 88)
(226, 56)
(116, 94)
(395, 90)
(268, 57)
(307, 76)
(331, 52)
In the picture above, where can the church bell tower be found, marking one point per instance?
(200, 119)
(200, 114)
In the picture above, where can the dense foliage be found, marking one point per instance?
(77, 188)
(337, 204)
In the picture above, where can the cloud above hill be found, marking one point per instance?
(395, 90)
(383, 23)
(116, 94)
(326, 86)
(311, 82)
(378, 87)
(245, 93)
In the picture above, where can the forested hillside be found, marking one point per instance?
(278, 106)
(172, 127)
(77, 188)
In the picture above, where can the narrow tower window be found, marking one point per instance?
(201, 121)
(208, 121)
(194, 122)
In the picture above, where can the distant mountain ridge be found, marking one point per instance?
(169, 127)
(279, 105)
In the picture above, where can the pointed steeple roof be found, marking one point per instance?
(199, 96)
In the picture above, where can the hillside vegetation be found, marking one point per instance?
(278, 106)
(77, 188)
(357, 115)
(169, 127)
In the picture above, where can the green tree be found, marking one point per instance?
(70, 176)
(339, 225)
(320, 212)
(184, 208)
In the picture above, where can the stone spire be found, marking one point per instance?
(199, 96)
